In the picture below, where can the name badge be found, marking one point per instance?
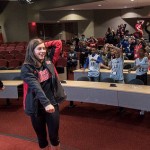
(114, 73)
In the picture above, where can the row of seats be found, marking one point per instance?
(14, 44)
(11, 48)
(10, 64)
(20, 46)
(12, 56)
(4, 52)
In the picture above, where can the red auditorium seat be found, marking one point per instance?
(13, 64)
(19, 56)
(62, 62)
(65, 54)
(14, 52)
(21, 61)
(4, 52)
(12, 44)
(4, 45)
(101, 41)
(3, 64)
(23, 52)
(1, 56)
(10, 48)
(20, 48)
(9, 56)
(22, 44)
(2, 48)
(66, 48)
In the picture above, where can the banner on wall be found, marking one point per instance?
(1, 35)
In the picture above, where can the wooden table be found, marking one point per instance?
(124, 95)
(11, 89)
(106, 74)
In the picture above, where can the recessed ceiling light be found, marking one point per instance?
(72, 9)
(132, 0)
(99, 5)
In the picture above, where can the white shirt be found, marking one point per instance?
(94, 67)
(117, 68)
(143, 66)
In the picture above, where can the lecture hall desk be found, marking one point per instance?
(106, 74)
(123, 95)
(131, 62)
(11, 89)
(9, 74)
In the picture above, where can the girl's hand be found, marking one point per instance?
(50, 108)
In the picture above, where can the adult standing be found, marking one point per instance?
(139, 29)
(147, 29)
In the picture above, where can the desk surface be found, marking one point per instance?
(129, 61)
(12, 82)
(10, 71)
(106, 86)
(103, 71)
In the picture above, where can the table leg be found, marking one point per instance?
(71, 104)
(7, 102)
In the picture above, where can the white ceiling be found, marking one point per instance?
(107, 4)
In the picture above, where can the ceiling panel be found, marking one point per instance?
(86, 4)
(107, 4)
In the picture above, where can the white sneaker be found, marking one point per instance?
(142, 113)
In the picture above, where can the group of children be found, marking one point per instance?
(116, 64)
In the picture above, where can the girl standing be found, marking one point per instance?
(116, 65)
(141, 66)
(40, 86)
(93, 63)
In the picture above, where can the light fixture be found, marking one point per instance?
(72, 8)
(99, 5)
(132, 0)
(26, 1)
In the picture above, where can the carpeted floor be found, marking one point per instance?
(85, 127)
(12, 143)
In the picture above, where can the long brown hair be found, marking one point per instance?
(30, 57)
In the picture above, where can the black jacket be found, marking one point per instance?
(33, 92)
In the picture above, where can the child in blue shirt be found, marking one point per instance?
(93, 63)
